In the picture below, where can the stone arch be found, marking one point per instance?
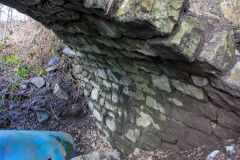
(156, 73)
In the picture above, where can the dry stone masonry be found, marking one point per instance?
(157, 73)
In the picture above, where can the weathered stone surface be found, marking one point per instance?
(230, 9)
(151, 102)
(175, 101)
(213, 155)
(102, 74)
(42, 116)
(95, 94)
(68, 52)
(77, 69)
(110, 107)
(161, 82)
(231, 82)
(149, 139)
(111, 124)
(53, 61)
(145, 88)
(188, 89)
(50, 69)
(195, 137)
(104, 27)
(60, 93)
(144, 120)
(219, 51)
(114, 97)
(145, 10)
(132, 135)
(187, 37)
(199, 81)
(138, 95)
(228, 119)
(234, 77)
(192, 120)
(97, 115)
(155, 72)
(39, 82)
(223, 99)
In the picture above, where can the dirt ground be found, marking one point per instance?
(20, 111)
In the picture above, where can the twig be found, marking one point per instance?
(65, 73)
(77, 93)
(55, 114)
(109, 4)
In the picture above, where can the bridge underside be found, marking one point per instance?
(157, 73)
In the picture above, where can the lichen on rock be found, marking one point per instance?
(149, 10)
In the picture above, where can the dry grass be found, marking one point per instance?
(24, 55)
(33, 43)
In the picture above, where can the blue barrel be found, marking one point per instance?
(36, 145)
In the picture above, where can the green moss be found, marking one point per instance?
(163, 14)
(186, 38)
(220, 47)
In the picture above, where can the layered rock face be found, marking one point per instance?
(157, 73)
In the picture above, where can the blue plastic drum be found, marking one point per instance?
(36, 145)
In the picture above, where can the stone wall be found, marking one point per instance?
(156, 73)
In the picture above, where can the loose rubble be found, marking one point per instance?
(39, 82)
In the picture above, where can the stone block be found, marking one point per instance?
(101, 102)
(187, 37)
(144, 120)
(161, 82)
(60, 93)
(96, 83)
(199, 81)
(113, 77)
(77, 69)
(196, 138)
(188, 89)
(149, 139)
(175, 101)
(102, 73)
(103, 27)
(115, 86)
(111, 107)
(90, 105)
(111, 114)
(232, 81)
(107, 84)
(138, 95)
(151, 102)
(97, 115)
(95, 94)
(111, 124)
(115, 97)
(228, 119)
(140, 78)
(193, 120)
(125, 81)
(145, 88)
(164, 21)
(219, 51)
(86, 92)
